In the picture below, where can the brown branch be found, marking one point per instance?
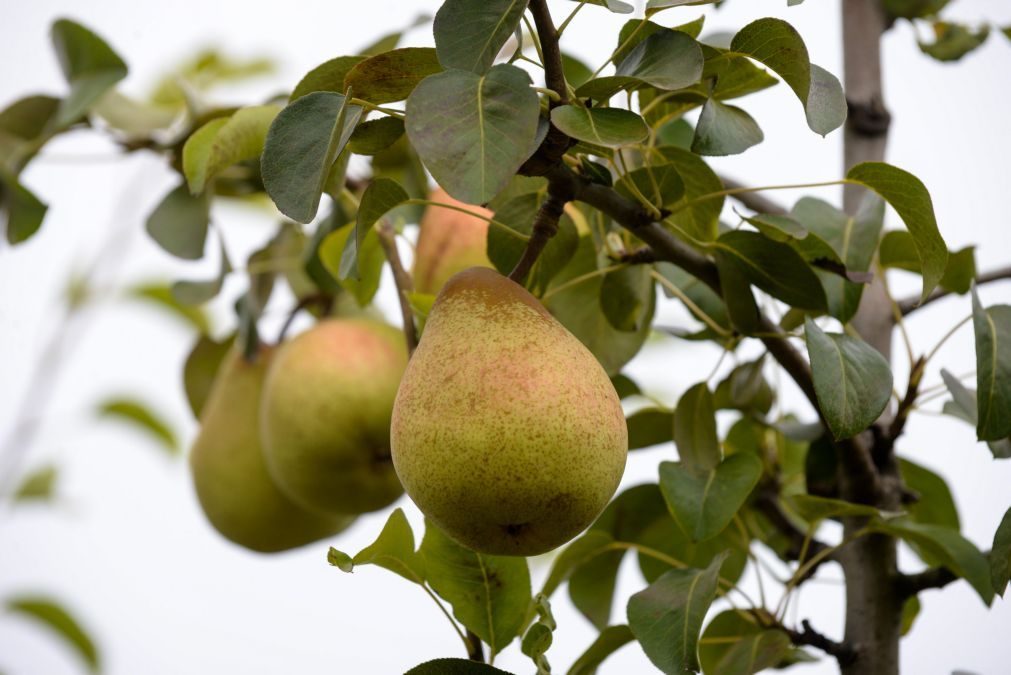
(475, 650)
(753, 200)
(911, 304)
(388, 241)
(843, 652)
(554, 74)
(545, 227)
(935, 577)
(765, 502)
(898, 423)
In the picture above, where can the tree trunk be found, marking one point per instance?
(873, 607)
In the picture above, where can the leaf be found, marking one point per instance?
(393, 549)
(89, 65)
(580, 551)
(701, 219)
(911, 201)
(816, 509)
(141, 416)
(391, 76)
(470, 33)
(774, 267)
(473, 131)
(944, 546)
(701, 295)
(755, 653)
(370, 262)
(1000, 555)
(199, 292)
(695, 429)
(223, 142)
(667, 59)
(505, 248)
(777, 227)
(616, 6)
(724, 130)
(935, 505)
(21, 212)
(381, 196)
(39, 485)
(852, 380)
(666, 618)
(161, 296)
(455, 667)
(489, 594)
(328, 76)
(779, 46)
(25, 125)
(735, 644)
(960, 271)
(302, 145)
(649, 427)
(538, 638)
(745, 389)
(58, 620)
(910, 610)
(609, 127)
(653, 6)
(704, 501)
(374, 136)
(610, 640)
(200, 369)
(626, 296)
(741, 308)
(179, 223)
(993, 369)
(952, 41)
(660, 184)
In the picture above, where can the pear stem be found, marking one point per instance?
(388, 241)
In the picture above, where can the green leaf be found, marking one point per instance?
(374, 136)
(649, 427)
(755, 653)
(960, 271)
(701, 219)
(473, 131)
(489, 594)
(724, 130)
(505, 248)
(37, 486)
(161, 296)
(327, 76)
(21, 212)
(935, 505)
(911, 201)
(609, 127)
(89, 65)
(576, 554)
(223, 142)
(952, 41)
(774, 267)
(779, 46)
(745, 389)
(695, 429)
(777, 227)
(25, 125)
(944, 546)
(667, 59)
(470, 33)
(1000, 555)
(701, 295)
(852, 380)
(179, 223)
(616, 6)
(538, 638)
(199, 292)
(815, 509)
(702, 501)
(391, 76)
(141, 416)
(302, 145)
(661, 184)
(741, 307)
(201, 368)
(654, 6)
(455, 667)
(610, 640)
(626, 296)
(993, 369)
(60, 622)
(666, 618)
(381, 196)
(370, 262)
(393, 549)
(910, 610)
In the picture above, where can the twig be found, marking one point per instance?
(911, 304)
(935, 577)
(545, 227)
(388, 240)
(898, 423)
(322, 299)
(765, 502)
(753, 200)
(843, 652)
(554, 74)
(475, 650)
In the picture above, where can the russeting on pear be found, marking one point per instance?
(232, 484)
(506, 431)
(325, 415)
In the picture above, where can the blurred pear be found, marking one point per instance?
(449, 242)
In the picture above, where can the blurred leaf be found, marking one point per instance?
(704, 501)
(223, 142)
(626, 296)
(393, 549)
(179, 223)
(724, 130)
(952, 41)
(935, 505)
(21, 212)
(370, 262)
(90, 66)
(24, 128)
(914, 9)
(701, 219)
(1000, 555)
(852, 380)
(206, 69)
(774, 267)
(455, 667)
(610, 640)
(653, 6)
(649, 427)
(199, 292)
(910, 610)
(302, 145)
(391, 40)
(161, 296)
(391, 76)
(695, 429)
(200, 369)
(141, 416)
(505, 248)
(470, 33)
(381, 196)
(815, 509)
(39, 485)
(328, 76)
(609, 127)
(580, 551)
(60, 622)
(666, 618)
(616, 6)
(489, 594)
(133, 118)
(374, 136)
(474, 131)
(625, 386)
(733, 643)
(993, 369)
(755, 653)
(960, 271)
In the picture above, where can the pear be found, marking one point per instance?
(506, 431)
(325, 415)
(449, 242)
(229, 473)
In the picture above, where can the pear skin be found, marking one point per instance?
(449, 242)
(229, 473)
(325, 415)
(506, 431)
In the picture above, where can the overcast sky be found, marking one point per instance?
(127, 548)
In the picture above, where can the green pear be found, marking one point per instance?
(232, 484)
(325, 415)
(449, 241)
(506, 431)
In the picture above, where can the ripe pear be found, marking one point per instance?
(506, 431)
(232, 484)
(449, 242)
(325, 415)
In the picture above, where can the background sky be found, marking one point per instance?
(126, 546)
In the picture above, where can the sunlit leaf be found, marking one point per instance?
(226, 141)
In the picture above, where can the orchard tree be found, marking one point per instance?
(567, 199)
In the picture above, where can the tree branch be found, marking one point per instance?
(843, 652)
(545, 227)
(767, 504)
(753, 200)
(911, 304)
(935, 577)
(554, 74)
(402, 279)
(475, 651)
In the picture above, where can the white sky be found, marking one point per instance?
(127, 547)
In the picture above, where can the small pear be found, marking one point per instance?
(506, 431)
(232, 484)
(325, 415)
(449, 241)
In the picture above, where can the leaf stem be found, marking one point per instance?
(490, 221)
(695, 309)
(570, 17)
(575, 281)
(372, 106)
